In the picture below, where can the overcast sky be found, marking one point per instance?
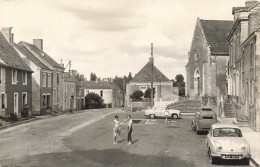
(113, 37)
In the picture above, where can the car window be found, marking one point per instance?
(208, 117)
(227, 132)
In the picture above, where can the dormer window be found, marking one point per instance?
(43, 54)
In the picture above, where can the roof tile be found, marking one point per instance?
(9, 56)
(144, 75)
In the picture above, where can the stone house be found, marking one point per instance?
(15, 77)
(206, 67)
(80, 96)
(41, 80)
(56, 97)
(110, 93)
(243, 74)
(163, 87)
(70, 92)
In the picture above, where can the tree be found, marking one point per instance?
(77, 75)
(93, 76)
(136, 96)
(119, 81)
(93, 100)
(179, 78)
(180, 84)
(129, 77)
(147, 93)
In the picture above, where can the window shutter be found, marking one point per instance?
(5, 100)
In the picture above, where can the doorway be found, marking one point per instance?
(16, 103)
(197, 82)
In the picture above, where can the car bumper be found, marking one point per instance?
(204, 129)
(237, 156)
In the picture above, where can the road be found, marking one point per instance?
(85, 139)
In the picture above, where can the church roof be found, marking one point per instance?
(144, 75)
(216, 33)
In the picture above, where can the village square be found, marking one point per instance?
(156, 109)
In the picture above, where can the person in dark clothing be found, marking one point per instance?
(130, 129)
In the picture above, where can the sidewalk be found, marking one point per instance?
(251, 136)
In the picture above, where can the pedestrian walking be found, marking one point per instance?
(116, 129)
(130, 130)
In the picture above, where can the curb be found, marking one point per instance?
(254, 162)
(18, 123)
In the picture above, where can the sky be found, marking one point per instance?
(113, 37)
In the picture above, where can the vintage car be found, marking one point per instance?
(225, 141)
(203, 120)
(162, 111)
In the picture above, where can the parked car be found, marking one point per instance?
(162, 111)
(203, 120)
(225, 141)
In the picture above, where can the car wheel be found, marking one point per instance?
(246, 161)
(192, 127)
(152, 116)
(211, 158)
(174, 116)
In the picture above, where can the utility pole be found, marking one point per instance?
(151, 62)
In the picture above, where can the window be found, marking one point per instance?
(251, 92)
(143, 88)
(44, 100)
(227, 132)
(14, 76)
(58, 78)
(3, 101)
(54, 93)
(101, 93)
(24, 99)
(24, 77)
(58, 93)
(72, 89)
(44, 80)
(49, 80)
(251, 55)
(65, 89)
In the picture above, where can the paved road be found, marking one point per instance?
(86, 140)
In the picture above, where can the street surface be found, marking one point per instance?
(85, 139)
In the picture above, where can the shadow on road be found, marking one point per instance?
(108, 157)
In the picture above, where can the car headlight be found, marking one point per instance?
(243, 149)
(219, 149)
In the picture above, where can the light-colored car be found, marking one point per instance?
(203, 120)
(162, 111)
(225, 141)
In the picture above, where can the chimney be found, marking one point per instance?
(38, 43)
(251, 3)
(7, 31)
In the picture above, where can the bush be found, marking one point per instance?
(137, 95)
(25, 111)
(13, 117)
(93, 100)
(147, 93)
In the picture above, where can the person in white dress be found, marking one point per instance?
(116, 129)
